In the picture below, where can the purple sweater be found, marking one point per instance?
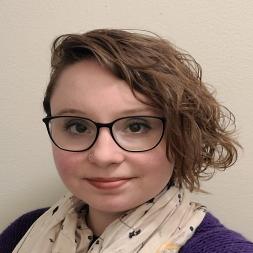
(210, 237)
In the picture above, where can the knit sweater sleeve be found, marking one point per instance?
(10, 237)
(212, 237)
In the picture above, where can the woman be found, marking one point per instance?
(132, 126)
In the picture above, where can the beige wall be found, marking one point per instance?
(218, 33)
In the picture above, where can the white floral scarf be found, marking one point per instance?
(161, 225)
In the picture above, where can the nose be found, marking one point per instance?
(105, 151)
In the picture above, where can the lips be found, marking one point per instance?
(107, 183)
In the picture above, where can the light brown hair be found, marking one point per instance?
(199, 130)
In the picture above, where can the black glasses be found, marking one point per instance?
(77, 134)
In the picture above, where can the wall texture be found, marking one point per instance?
(217, 33)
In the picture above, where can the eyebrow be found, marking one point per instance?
(70, 111)
(125, 112)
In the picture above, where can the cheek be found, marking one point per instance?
(66, 162)
(156, 164)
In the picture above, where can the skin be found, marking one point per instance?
(87, 89)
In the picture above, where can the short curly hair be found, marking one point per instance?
(199, 130)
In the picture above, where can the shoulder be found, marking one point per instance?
(212, 237)
(16, 230)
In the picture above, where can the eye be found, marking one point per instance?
(138, 127)
(76, 127)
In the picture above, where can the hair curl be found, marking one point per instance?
(199, 130)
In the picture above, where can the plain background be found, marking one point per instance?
(219, 34)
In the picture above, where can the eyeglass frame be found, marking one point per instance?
(98, 125)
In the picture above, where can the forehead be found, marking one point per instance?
(92, 89)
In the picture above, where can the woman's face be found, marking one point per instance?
(106, 177)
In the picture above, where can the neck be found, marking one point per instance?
(97, 220)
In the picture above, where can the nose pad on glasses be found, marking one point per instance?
(105, 150)
(104, 137)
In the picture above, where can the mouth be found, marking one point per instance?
(107, 183)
